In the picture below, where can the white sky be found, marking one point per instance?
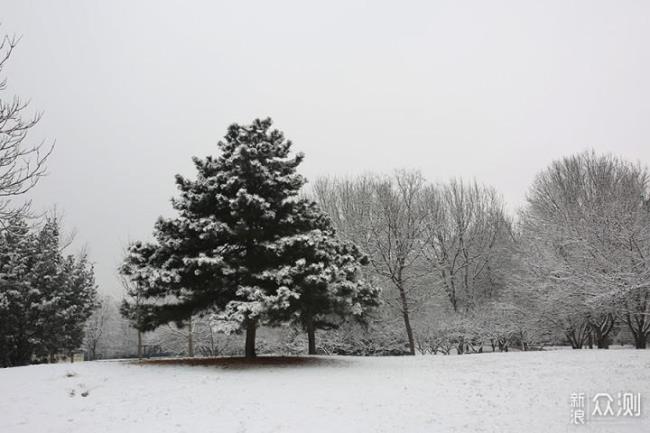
(492, 90)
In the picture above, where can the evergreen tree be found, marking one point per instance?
(76, 301)
(18, 298)
(231, 219)
(45, 299)
(47, 278)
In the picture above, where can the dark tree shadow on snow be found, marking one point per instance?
(246, 363)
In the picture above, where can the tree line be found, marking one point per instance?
(571, 265)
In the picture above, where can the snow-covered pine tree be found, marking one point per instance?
(323, 275)
(215, 253)
(44, 298)
(18, 297)
(76, 301)
(47, 278)
(67, 293)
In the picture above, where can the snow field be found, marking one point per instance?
(501, 392)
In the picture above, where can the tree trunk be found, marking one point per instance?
(578, 337)
(213, 351)
(312, 341)
(639, 330)
(407, 321)
(311, 336)
(601, 329)
(190, 340)
(139, 345)
(602, 341)
(640, 342)
(251, 328)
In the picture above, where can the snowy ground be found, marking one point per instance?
(513, 392)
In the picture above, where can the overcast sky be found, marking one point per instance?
(480, 89)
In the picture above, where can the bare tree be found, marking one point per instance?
(468, 241)
(196, 337)
(96, 326)
(588, 218)
(386, 218)
(131, 308)
(21, 165)
(206, 338)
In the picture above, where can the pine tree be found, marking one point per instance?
(17, 295)
(45, 299)
(231, 219)
(76, 301)
(46, 277)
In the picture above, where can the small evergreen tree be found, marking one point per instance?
(77, 300)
